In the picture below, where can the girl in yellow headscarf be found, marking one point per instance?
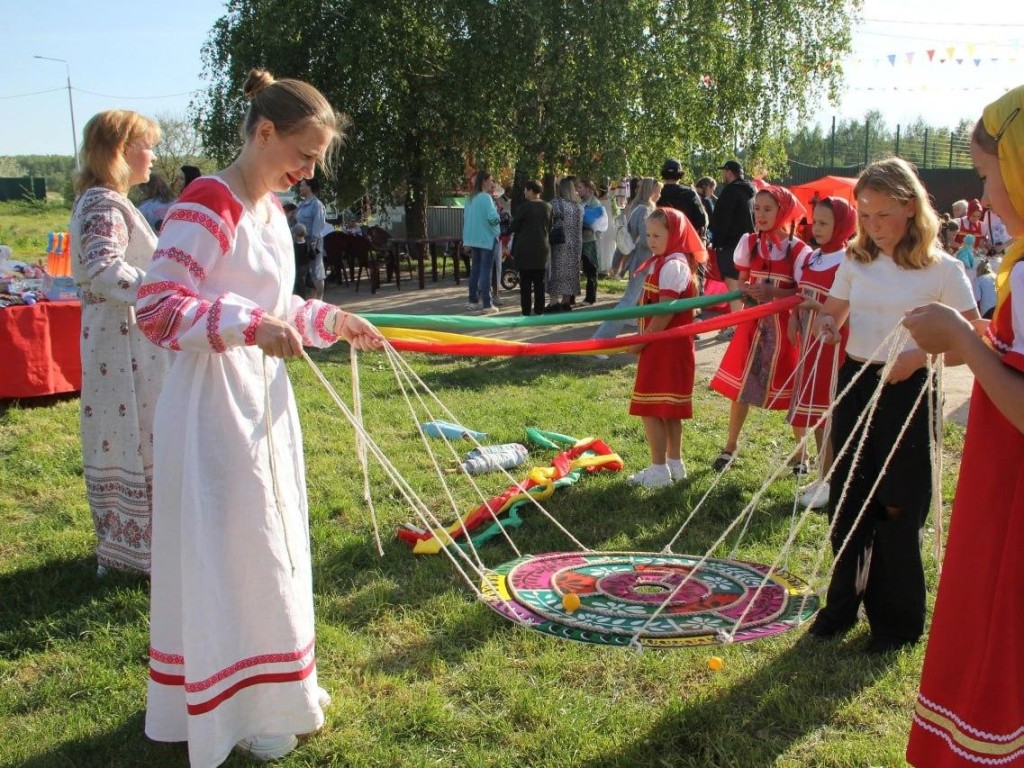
(970, 708)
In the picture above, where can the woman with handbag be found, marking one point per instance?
(566, 247)
(633, 236)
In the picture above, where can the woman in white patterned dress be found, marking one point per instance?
(232, 651)
(122, 372)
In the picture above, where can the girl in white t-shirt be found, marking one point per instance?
(892, 266)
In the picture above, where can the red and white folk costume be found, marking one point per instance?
(970, 708)
(664, 373)
(758, 366)
(814, 274)
(232, 638)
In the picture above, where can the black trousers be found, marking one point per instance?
(881, 565)
(531, 286)
(589, 263)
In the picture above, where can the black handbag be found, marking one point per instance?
(557, 234)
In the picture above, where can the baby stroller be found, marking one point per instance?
(509, 273)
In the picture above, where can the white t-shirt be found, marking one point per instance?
(880, 293)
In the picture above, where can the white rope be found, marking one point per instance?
(364, 464)
(761, 491)
(937, 429)
(408, 370)
(417, 504)
(269, 426)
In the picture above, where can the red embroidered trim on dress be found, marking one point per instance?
(252, 661)
(151, 289)
(300, 320)
(272, 677)
(195, 269)
(213, 327)
(205, 221)
(165, 658)
(250, 331)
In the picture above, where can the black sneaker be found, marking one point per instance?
(722, 462)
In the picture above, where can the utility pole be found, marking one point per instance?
(71, 106)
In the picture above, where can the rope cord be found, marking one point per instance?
(450, 416)
(417, 504)
(364, 464)
(269, 426)
(760, 493)
(936, 422)
(402, 379)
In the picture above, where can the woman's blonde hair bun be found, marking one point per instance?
(257, 80)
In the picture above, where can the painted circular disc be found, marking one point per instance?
(619, 592)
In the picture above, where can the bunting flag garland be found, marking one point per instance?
(969, 53)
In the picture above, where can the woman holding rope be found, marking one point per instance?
(232, 654)
(893, 264)
(969, 710)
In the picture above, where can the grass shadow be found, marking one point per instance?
(61, 600)
(759, 717)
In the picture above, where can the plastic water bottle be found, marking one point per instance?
(489, 458)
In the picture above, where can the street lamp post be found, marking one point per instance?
(71, 106)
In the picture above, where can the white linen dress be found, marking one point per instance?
(232, 638)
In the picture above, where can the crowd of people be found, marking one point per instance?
(192, 446)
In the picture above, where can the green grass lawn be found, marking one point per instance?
(24, 224)
(421, 673)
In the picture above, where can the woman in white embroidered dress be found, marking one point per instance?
(122, 372)
(232, 640)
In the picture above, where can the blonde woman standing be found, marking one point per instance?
(232, 655)
(122, 372)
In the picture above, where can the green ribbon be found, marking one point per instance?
(460, 323)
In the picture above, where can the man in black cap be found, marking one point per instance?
(731, 219)
(681, 197)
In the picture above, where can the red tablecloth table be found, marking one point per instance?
(39, 349)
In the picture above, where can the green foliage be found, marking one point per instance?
(56, 169)
(597, 88)
(420, 672)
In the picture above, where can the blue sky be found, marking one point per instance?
(146, 56)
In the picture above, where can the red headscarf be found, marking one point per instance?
(845, 216)
(791, 210)
(973, 207)
(682, 238)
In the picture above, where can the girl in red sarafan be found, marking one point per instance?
(833, 223)
(664, 374)
(970, 708)
(757, 368)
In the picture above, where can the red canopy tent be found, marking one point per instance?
(826, 186)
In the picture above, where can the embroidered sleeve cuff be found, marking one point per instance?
(250, 332)
(319, 322)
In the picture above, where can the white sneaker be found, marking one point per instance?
(265, 748)
(815, 495)
(677, 473)
(651, 477)
(487, 311)
(600, 357)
